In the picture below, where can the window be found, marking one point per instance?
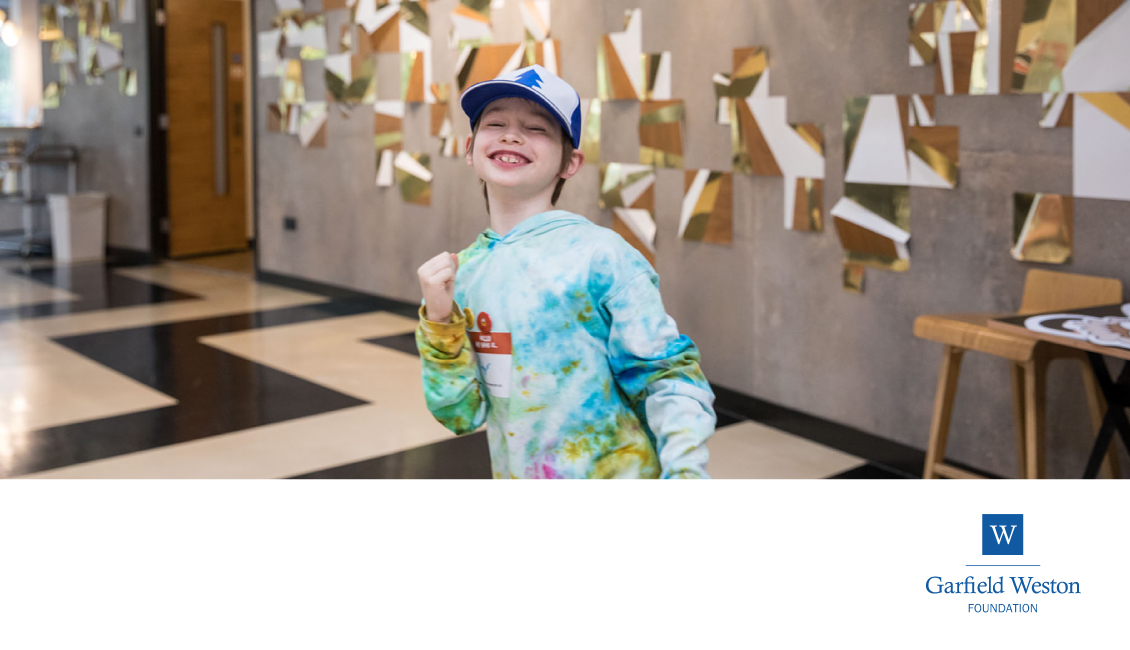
(21, 67)
(7, 86)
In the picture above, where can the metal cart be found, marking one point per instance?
(22, 158)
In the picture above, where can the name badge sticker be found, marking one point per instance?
(494, 355)
(493, 352)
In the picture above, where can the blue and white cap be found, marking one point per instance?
(534, 83)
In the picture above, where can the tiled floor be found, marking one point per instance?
(183, 371)
(242, 263)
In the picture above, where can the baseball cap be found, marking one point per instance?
(536, 84)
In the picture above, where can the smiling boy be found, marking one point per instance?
(549, 328)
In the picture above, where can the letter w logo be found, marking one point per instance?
(1003, 534)
(996, 529)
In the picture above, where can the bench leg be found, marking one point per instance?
(943, 407)
(1034, 391)
(1018, 411)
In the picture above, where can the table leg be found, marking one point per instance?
(1117, 396)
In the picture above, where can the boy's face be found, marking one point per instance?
(517, 148)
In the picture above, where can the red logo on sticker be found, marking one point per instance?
(484, 322)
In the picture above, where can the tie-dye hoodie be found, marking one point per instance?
(560, 344)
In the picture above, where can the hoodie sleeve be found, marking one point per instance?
(451, 376)
(655, 364)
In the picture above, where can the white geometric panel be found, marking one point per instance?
(879, 155)
(1101, 61)
(1102, 147)
(794, 155)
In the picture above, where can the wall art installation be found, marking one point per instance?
(1071, 53)
(764, 143)
(477, 64)
(470, 24)
(443, 128)
(351, 79)
(97, 51)
(1057, 110)
(269, 48)
(540, 48)
(619, 61)
(312, 125)
(127, 82)
(414, 176)
(52, 93)
(380, 26)
(1024, 46)
(309, 35)
(853, 278)
(629, 191)
(1101, 137)
(807, 205)
(547, 54)
(536, 20)
(661, 133)
(750, 78)
(1042, 228)
(656, 71)
(707, 214)
(590, 131)
(893, 140)
(388, 139)
(127, 11)
(873, 223)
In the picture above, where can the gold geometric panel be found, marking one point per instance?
(49, 27)
(590, 132)
(708, 207)
(624, 185)
(545, 53)
(412, 77)
(656, 75)
(873, 223)
(923, 40)
(487, 62)
(751, 152)
(1042, 226)
(629, 191)
(414, 176)
(937, 147)
(351, 79)
(748, 79)
(808, 206)
(127, 82)
(618, 74)
(1045, 42)
(388, 126)
(853, 277)
(52, 93)
(470, 24)
(536, 19)
(661, 133)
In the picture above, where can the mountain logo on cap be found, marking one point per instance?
(530, 78)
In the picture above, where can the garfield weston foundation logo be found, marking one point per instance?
(1002, 534)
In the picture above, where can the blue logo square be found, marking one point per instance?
(1002, 534)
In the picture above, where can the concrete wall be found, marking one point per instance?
(112, 133)
(768, 312)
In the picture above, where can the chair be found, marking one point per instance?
(1043, 291)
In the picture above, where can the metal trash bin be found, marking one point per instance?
(78, 226)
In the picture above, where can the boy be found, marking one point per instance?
(578, 371)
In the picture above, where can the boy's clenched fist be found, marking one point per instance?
(437, 281)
